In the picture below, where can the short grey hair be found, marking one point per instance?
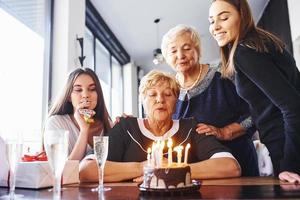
(179, 30)
(153, 78)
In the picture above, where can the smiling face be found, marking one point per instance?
(84, 93)
(224, 22)
(159, 102)
(181, 53)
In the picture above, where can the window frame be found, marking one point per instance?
(101, 32)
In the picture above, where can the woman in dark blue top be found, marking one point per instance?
(266, 76)
(211, 100)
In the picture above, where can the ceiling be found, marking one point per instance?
(132, 22)
(30, 12)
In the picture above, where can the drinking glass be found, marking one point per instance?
(56, 146)
(101, 151)
(13, 149)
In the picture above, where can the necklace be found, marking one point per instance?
(194, 83)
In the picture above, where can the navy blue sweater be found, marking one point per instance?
(270, 83)
(215, 101)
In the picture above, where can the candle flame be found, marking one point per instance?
(188, 146)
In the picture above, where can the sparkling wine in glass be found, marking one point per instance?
(14, 149)
(56, 146)
(101, 151)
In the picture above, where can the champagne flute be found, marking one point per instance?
(101, 151)
(56, 146)
(14, 149)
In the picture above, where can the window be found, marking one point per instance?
(102, 62)
(24, 40)
(89, 49)
(109, 72)
(109, 56)
(117, 89)
(102, 69)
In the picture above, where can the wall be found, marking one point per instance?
(276, 23)
(294, 7)
(130, 85)
(69, 22)
(296, 46)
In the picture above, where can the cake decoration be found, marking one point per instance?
(166, 175)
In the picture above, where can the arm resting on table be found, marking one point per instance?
(215, 168)
(88, 171)
(121, 171)
(113, 171)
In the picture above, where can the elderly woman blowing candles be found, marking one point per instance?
(130, 139)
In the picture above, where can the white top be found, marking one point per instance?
(150, 135)
(65, 122)
(170, 133)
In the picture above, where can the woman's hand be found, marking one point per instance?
(83, 125)
(220, 133)
(94, 130)
(87, 129)
(289, 177)
(141, 165)
(138, 179)
(118, 118)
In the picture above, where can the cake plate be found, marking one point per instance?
(170, 191)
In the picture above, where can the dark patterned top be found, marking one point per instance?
(127, 142)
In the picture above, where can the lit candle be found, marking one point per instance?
(161, 151)
(169, 144)
(149, 156)
(157, 155)
(186, 152)
(153, 150)
(178, 149)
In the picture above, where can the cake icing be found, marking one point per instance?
(167, 177)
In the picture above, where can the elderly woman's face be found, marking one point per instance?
(159, 102)
(182, 54)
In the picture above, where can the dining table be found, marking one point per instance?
(229, 188)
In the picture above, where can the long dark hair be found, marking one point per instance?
(63, 106)
(249, 35)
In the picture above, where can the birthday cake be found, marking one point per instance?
(167, 177)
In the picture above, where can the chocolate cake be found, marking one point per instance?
(167, 177)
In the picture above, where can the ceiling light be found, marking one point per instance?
(157, 55)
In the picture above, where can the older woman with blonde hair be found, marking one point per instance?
(210, 99)
(130, 138)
